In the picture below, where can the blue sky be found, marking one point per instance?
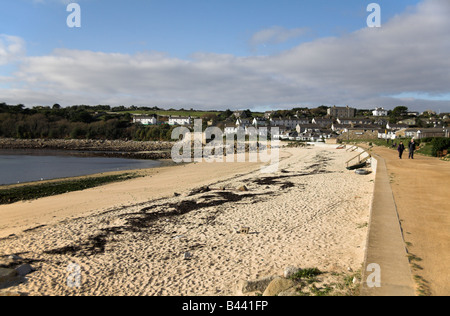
(181, 27)
(255, 43)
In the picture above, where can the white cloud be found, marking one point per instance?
(12, 48)
(276, 35)
(409, 54)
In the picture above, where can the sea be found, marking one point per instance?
(20, 166)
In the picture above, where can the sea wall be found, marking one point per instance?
(84, 145)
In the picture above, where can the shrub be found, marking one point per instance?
(440, 144)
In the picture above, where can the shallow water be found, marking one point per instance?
(18, 166)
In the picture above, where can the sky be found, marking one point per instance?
(226, 54)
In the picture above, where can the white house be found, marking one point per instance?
(180, 120)
(380, 112)
(145, 119)
(386, 134)
(230, 129)
(396, 127)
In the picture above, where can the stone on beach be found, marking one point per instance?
(259, 285)
(290, 271)
(7, 275)
(24, 269)
(277, 286)
(243, 188)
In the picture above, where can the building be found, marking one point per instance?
(341, 112)
(387, 134)
(354, 121)
(340, 128)
(419, 133)
(260, 122)
(307, 128)
(180, 120)
(145, 119)
(322, 122)
(396, 127)
(409, 121)
(268, 114)
(243, 122)
(240, 114)
(360, 133)
(380, 112)
(289, 123)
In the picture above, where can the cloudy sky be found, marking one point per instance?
(219, 54)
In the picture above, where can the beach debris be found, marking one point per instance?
(187, 256)
(200, 191)
(176, 194)
(24, 269)
(244, 230)
(290, 271)
(243, 188)
(179, 237)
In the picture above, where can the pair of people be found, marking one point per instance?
(411, 146)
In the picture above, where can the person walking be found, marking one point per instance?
(412, 148)
(401, 149)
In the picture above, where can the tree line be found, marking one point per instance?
(76, 122)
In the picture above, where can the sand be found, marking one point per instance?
(422, 196)
(131, 238)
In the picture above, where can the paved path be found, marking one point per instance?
(421, 192)
(385, 246)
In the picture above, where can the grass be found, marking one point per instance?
(36, 191)
(426, 149)
(330, 284)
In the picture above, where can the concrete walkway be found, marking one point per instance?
(386, 259)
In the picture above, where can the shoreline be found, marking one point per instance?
(310, 213)
(139, 172)
(92, 148)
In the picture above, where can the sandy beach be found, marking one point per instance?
(130, 238)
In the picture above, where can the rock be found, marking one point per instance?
(24, 269)
(15, 258)
(259, 285)
(7, 275)
(277, 286)
(290, 271)
(243, 188)
(290, 292)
